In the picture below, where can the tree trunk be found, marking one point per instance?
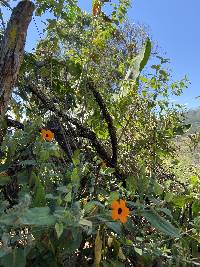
(12, 49)
(11, 52)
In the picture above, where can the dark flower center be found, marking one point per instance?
(119, 211)
(47, 135)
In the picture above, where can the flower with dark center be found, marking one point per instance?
(119, 210)
(47, 135)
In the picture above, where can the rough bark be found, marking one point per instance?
(12, 50)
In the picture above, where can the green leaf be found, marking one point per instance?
(181, 129)
(4, 251)
(156, 67)
(85, 222)
(44, 155)
(194, 180)
(68, 197)
(131, 183)
(39, 198)
(3, 167)
(160, 223)
(196, 207)
(138, 63)
(59, 229)
(16, 259)
(75, 157)
(109, 171)
(115, 226)
(75, 176)
(167, 212)
(180, 201)
(62, 189)
(8, 219)
(88, 207)
(147, 54)
(73, 241)
(142, 183)
(158, 190)
(116, 264)
(37, 216)
(138, 251)
(169, 196)
(105, 264)
(121, 255)
(113, 196)
(28, 162)
(4, 179)
(74, 68)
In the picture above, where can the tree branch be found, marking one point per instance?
(14, 123)
(82, 131)
(108, 119)
(12, 50)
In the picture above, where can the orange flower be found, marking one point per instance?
(96, 9)
(120, 211)
(47, 135)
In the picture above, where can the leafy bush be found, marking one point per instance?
(89, 174)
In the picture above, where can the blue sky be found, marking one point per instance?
(174, 25)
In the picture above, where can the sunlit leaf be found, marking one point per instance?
(160, 223)
(59, 229)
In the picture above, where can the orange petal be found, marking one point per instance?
(43, 133)
(122, 203)
(115, 215)
(50, 135)
(123, 219)
(115, 204)
(125, 211)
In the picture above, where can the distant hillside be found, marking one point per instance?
(193, 117)
(189, 154)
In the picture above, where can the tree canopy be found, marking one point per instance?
(91, 173)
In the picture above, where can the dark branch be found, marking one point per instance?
(14, 123)
(16, 166)
(82, 131)
(108, 119)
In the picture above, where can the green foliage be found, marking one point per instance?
(147, 54)
(93, 90)
(16, 259)
(160, 224)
